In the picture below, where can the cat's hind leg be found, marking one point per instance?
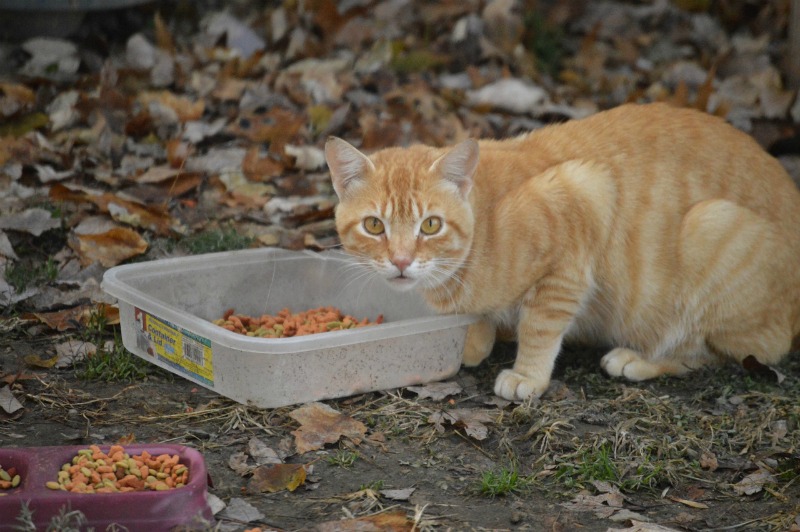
(767, 343)
(479, 342)
(737, 299)
(624, 362)
(744, 272)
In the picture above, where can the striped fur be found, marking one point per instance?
(663, 233)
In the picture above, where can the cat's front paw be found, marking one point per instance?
(515, 386)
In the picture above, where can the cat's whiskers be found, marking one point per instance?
(332, 246)
(359, 267)
(445, 280)
(361, 275)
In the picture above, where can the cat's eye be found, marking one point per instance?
(374, 226)
(431, 225)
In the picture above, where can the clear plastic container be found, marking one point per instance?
(140, 511)
(166, 309)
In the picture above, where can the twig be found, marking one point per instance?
(733, 527)
(468, 440)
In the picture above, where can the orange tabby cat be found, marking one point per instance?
(664, 233)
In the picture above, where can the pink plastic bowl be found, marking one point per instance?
(146, 511)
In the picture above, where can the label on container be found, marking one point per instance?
(182, 350)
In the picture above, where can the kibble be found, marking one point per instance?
(286, 324)
(93, 471)
(9, 478)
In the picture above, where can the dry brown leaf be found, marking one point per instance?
(157, 174)
(321, 424)
(139, 124)
(471, 421)
(558, 391)
(277, 477)
(11, 378)
(178, 151)
(249, 66)
(603, 505)
(59, 192)
(681, 96)
(244, 193)
(38, 361)
(239, 511)
(306, 158)
(184, 108)
(503, 26)
(754, 482)
(164, 38)
(155, 218)
(176, 187)
(607, 505)
(238, 462)
(705, 90)
(34, 221)
(642, 526)
(395, 521)
(695, 492)
(109, 248)
(398, 495)
(8, 402)
(311, 242)
(127, 439)
(238, 200)
(708, 460)
(262, 453)
(689, 503)
(327, 15)
(257, 168)
(436, 390)
(6, 248)
(72, 351)
(75, 317)
(14, 98)
(230, 89)
(277, 127)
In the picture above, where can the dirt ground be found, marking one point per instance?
(677, 449)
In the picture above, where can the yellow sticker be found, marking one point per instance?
(182, 350)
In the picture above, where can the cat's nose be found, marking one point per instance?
(401, 262)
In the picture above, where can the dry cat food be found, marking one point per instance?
(285, 324)
(9, 478)
(93, 471)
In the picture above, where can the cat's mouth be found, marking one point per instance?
(402, 281)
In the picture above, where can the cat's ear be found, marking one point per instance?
(348, 166)
(458, 165)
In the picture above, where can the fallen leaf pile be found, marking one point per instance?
(319, 425)
(174, 133)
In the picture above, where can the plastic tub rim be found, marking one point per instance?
(114, 284)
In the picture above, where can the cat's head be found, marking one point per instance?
(404, 212)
